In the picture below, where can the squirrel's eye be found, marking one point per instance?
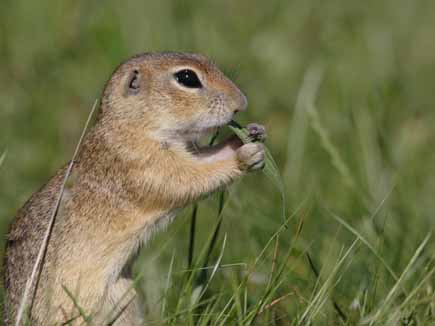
(188, 78)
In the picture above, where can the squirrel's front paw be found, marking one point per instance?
(251, 156)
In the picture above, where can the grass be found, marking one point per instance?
(345, 90)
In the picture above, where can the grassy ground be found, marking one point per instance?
(346, 90)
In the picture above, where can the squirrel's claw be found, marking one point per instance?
(257, 132)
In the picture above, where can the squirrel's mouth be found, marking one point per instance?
(204, 134)
(203, 137)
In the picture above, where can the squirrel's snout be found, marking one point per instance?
(240, 103)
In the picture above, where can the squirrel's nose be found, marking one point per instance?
(242, 103)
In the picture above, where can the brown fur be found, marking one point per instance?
(136, 168)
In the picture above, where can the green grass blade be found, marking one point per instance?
(399, 282)
(83, 314)
(204, 273)
(192, 236)
(270, 168)
(319, 299)
(2, 158)
(194, 215)
(368, 245)
(168, 282)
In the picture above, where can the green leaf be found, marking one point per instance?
(270, 168)
(2, 157)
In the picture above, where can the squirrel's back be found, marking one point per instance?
(24, 241)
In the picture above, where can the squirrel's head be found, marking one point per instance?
(170, 96)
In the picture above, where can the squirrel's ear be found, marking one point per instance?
(133, 82)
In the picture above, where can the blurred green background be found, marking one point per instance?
(345, 88)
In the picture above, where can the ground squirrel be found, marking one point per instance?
(137, 167)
